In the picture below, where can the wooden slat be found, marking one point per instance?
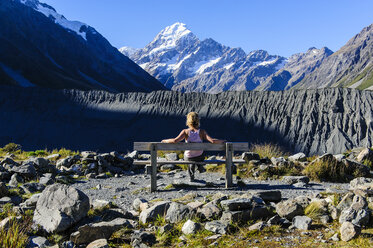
(145, 146)
(142, 162)
(228, 165)
(153, 179)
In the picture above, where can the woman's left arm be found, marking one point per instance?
(179, 138)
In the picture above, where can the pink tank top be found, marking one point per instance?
(193, 138)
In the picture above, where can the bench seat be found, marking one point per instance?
(146, 162)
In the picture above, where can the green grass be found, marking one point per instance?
(268, 150)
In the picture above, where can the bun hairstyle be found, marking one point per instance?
(192, 120)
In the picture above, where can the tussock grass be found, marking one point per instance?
(269, 150)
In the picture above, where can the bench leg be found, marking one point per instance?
(153, 177)
(228, 165)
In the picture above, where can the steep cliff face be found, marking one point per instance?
(312, 121)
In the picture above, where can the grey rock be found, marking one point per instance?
(177, 212)
(31, 188)
(258, 226)
(16, 200)
(41, 164)
(209, 211)
(248, 156)
(171, 156)
(31, 202)
(302, 222)
(339, 157)
(217, 227)
(38, 241)
(269, 195)
(53, 156)
(346, 201)
(190, 227)
(91, 232)
(295, 179)
(349, 231)
(46, 180)
(15, 180)
(357, 217)
(360, 181)
(365, 154)
(241, 203)
(8, 161)
(258, 212)
(278, 161)
(335, 237)
(298, 157)
(59, 207)
(26, 170)
(99, 243)
(166, 228)
(359, 202)
(3, 190)
(140, 237)
(289, 209)
(159, 209)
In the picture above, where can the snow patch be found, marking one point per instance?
(128, 51)
(17, 76)
(201, 66)
(268, 62)
(229, 66)
(281, 65)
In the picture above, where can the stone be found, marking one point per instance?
(166, 228)
(46, 180)
(278, 161)
(99, 243)
(209, 211)
(41, 164)
(346, 201)
(217, 227)
(65, 162)
(31, 202)
(335, 237)
(248, 156)
(9, 161)
(289, 209)
(295, 179)
(275, 220)
(359, 181)
(360, 217)
(269, 195)
(169, 167)
(255, 213)
(359, 202)
(53, 156)
(38, 241)
(257, 226)
(339, 157)
(141, 237)
(59, 207)
(27, 171)
(136, 203)
(97, 204)
(16, 200)
(190, 227)
(15, 180)
(241, 203)
(177, 212)
(30, 188)
(298, 157)
(302, 222)
(349, 231)
(171, 156)
(195, 205)
(91, 232)
(5, 223)
(3, 190)
(159, 209)
(365, 154)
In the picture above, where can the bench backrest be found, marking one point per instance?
(146, 146)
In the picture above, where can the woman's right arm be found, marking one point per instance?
(179, 138)
(212, 140)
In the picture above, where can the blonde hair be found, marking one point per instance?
(192, 120)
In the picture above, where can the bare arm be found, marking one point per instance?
(179, 138)
(211, 140)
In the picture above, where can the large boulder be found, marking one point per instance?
(209, 211)
(298, 157)
(295, 179)
(92, 232)
(59, 207)
(217, 226)
(302, 222)
(241, 203)
(159, 209)
(289, 209)
(190, 227)
(365, 154)
(177, 212)
(26, 170)
(349, 231)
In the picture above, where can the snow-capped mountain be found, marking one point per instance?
(40, 47)
(182, 62)
(297, 67)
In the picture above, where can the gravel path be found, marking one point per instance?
(125, 189)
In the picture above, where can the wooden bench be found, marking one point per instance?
(153, 147)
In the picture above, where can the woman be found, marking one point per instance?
(193, 135)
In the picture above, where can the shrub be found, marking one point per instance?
(327, 168)
(14, 237)
(268, 150)
(11, 147)
(315, 210)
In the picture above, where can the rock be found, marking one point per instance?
(298, 157)
(346, 201)
(139, 237)
(46, 180)
(100, 204)
(248, 156)
(92, 232)
(53, 156)
(88, 154)
(295, 179)
(177, 212)
(38, 241)
(269, 195)
(302, 222)
(166, 228)
(152, 213)
(257, 226)
(241, 203)
(30, 188)
(209, 211)
(275, 220)
(16, 200)
(59, 207)
(289, 209)
(15, 180)
(134, 155)
(3, 190)
(99, 243)
(339, 157)
(255, 213)
(349, 231)
(26, 170)
(169, 167)
(41, 164)
(190, 227)
(359, 202)
(335, 237)
(365, 154)
(278, 161)
(195, 205)
(357, 217)
(6, 223)
(65, 162)
(359, 181)
(171, 156)
(217, 227)
(31, 202)
(8, 161)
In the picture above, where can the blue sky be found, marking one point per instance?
(280, 27)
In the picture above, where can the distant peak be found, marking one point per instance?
(176, 30)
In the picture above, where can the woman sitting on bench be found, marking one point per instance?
(193, 135)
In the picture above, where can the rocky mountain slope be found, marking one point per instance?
(351, 66)
(39, 47)
(184, 63)
(311, 121)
